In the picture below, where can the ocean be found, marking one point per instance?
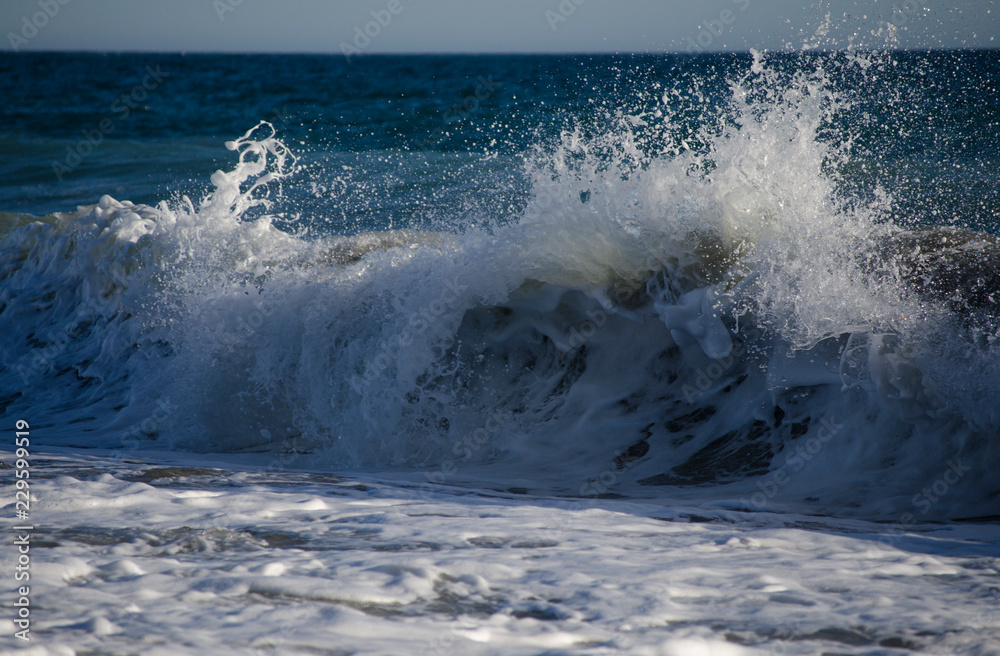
(591, 355)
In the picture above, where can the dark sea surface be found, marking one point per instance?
(924, 126)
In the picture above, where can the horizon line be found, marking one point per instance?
(489, 54)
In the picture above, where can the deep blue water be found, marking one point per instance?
(442, 138)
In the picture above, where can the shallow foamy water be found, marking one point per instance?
(180, 558)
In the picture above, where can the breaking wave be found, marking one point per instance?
(685, 312)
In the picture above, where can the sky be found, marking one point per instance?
(492, 26)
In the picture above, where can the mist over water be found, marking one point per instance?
(695, 277)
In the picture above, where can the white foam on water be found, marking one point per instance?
(180, 558)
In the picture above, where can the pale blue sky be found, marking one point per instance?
(492, 25)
